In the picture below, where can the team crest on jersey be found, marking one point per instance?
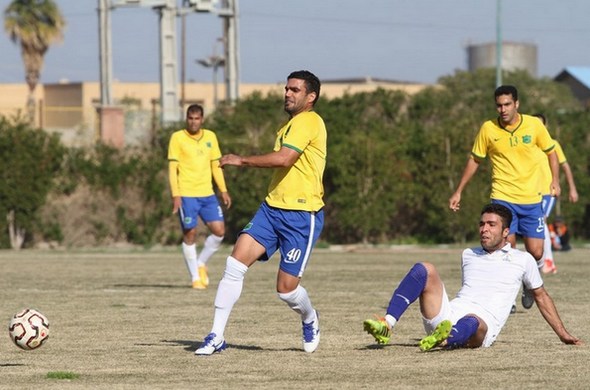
(527, 139)
(208, 144)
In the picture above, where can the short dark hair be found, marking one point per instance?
(195, 108)
(500, 210)
(506, 90)
(541, 117)
(312, 83)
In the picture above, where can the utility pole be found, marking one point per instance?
(169, 101)
(168, 11)
(106, 64)
(498, 43)
(168, 63)
(229, 13)
(182, 60)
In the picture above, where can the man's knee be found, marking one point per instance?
(430, 268)
(478, 338)
(217, 228)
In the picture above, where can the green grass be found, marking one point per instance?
(61, 375)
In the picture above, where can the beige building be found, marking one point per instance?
(72, 109)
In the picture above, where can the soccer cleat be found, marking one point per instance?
(378, 329)
(199, 285)
(549, 267)
(527, 298)
(438, 336)
(311, 334)
(210, 345)
(203, 275)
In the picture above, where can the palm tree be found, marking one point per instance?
(34, 24)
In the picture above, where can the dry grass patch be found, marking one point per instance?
(128, 320)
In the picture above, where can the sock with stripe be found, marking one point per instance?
(407, 291)
(462, 331)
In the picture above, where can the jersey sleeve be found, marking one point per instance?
(173, 148)
(173, 157)
(215, 150)
(544, 140)
(480, 146)
(560, 155)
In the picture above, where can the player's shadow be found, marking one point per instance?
(378, 346)
(183, 286)
(191, 345)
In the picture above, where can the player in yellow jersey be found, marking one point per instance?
(193, 162)
(511, 142)
(548, 200)
(289, 220)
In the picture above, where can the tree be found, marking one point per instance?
(31, 159)
(34, 24)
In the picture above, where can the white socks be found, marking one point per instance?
(193, 262)
(228, 293)
(190, 258)
(212, 244)
(547, 250)
(299, 301)
(391, 321)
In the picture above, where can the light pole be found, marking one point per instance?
(215, 62)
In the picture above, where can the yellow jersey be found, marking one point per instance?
(546, 176)
(300, 187)
(190, 158)
(513, 157)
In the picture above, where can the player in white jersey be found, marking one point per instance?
(492, 276)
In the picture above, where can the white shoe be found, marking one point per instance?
(311, 334)
(210, 345)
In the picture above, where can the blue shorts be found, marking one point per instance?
(206, 207)
(292, 232)
(547, 202)
(527, 219)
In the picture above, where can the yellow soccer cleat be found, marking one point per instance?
(203, 275)
(437, 337)
(378, 329)
(199, 285)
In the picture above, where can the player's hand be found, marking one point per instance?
(555, 189)
(573, 195)
(226, 199)
(569, 339)
(176, 204)
(230, 159)
(454, 201)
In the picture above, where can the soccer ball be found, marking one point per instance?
(28, 329)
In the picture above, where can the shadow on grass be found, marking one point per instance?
(183, 286)
(192, 345)
(381, 346)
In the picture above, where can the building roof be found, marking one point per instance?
(580, 73)
(368, 80)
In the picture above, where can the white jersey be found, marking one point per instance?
(491, 282)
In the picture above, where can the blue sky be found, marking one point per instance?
(411, 40)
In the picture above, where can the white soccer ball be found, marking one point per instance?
(28, 329)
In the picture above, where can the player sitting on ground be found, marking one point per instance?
(492, 276)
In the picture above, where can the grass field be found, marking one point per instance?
(128, 320)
